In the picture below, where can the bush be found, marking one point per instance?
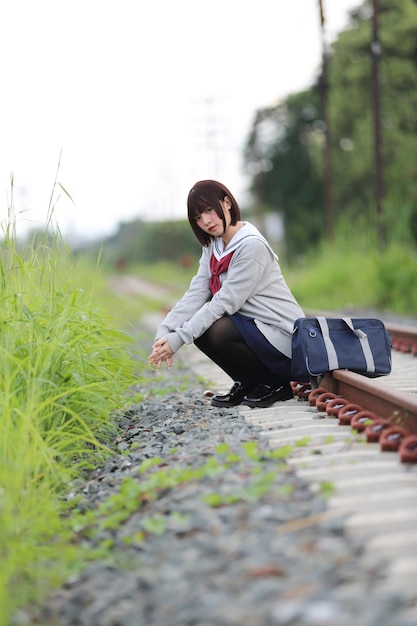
(396, 280)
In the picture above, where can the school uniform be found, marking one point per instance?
(251, 291)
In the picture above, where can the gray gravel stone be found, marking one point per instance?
(225, 565)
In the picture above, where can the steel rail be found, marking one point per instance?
(398, 407)
(403, 338)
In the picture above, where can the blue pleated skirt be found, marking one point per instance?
(273, 359)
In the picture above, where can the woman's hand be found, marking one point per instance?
(161, 352)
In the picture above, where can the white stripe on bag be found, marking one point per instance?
(364, 343)
(331, 352)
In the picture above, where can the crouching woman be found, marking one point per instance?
(238, 308)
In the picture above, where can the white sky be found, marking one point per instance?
(143, 98)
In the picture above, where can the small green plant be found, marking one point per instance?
(156, 475)
(155, 525)
(327, 489)
(251, 449)
(280, 453)
(304, 441)
(222, 448)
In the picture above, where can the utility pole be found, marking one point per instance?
(376, 55)
(327, 150)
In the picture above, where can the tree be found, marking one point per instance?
(284, 155)
(351, 113)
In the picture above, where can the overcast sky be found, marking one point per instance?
(141, 98)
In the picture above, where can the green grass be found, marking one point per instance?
(171, 275)
(122, 307)
(64, 367)
(341, 276)
(350, 273)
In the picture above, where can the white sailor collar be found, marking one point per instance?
(248, 230)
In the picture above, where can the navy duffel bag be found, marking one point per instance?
(322, 344)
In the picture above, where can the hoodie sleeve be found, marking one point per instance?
(241, 281)
(191, 302)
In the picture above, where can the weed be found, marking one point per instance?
(304, 441)
(63, 370)
(327, 489)
(258, 470)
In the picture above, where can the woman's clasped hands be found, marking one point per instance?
(161, 352)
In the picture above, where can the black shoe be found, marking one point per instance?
(264, 396)
(233, 398)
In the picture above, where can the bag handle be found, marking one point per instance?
(357, 331)
(328, 343)
(331, 352)
(364, 343)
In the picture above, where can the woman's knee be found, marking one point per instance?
(220, 333)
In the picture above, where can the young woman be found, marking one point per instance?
(238, 309)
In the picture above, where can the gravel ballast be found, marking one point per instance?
(219, 531)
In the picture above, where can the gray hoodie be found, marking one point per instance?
(253, 285)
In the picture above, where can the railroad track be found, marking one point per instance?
(391, 398)
(390, 402)
(372, 493)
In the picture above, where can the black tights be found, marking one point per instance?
(224, 345)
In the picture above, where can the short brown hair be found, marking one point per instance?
(209, 193)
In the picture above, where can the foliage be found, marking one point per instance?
(349, 273)
(167, 274)
(352, 274)
(149, 242)
(120, 293)
(261, 468)
(284, 153)
(64, 369)
(352, 119)
(396, 280)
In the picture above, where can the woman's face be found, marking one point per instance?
(211, 223)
